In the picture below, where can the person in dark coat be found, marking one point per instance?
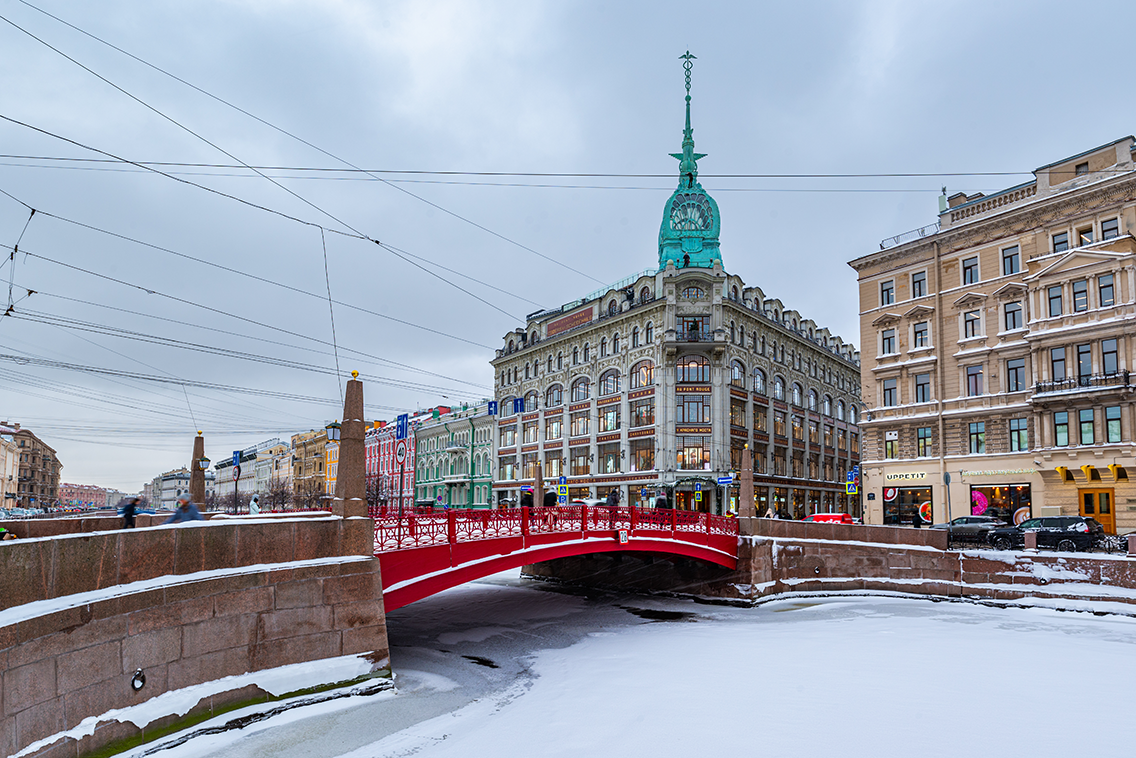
(129, 509)
(612, 498)
(186, 511)
(661, 501)
(916, 521)
(526, 500)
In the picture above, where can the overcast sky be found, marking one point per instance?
(526, 87)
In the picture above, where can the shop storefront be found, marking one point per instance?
(906, 506)
(1011, 503)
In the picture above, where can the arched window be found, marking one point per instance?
(609, 382)
(853, 414)
(536, 367)
(733, 332)
(692, 368)
(762, 344)
(778, 388)
(580, 389)
(812, 400)
(603, 347)
(759, 381)
(585, 352)
(510, 346)
(527, 371)
(644, 295)
(642, 375)
(549, 364)
(505, 407)
(797, 394)
(554, 396)
(742, 335)
(650, 337)
(735, 292)
(635, 336)
(839, 410)
(612, 308)
(575, 356)
(530, 401)
(559, 361)
(693, 293)
(826, 406)
(738, 374)
(615, 344)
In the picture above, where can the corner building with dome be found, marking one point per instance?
(654, 385)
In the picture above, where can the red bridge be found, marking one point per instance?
(424, 553)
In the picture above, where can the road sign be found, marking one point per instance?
(562, 490)
(402, 427)
(698, 497)
(400, 452)
(563, 481)
(850, 488)
(492, 408)
(698, 488)
(623, 536)
(725, 480)
(236, 457)
(643, 492)
(562, 500)
(518, 405)
(236, 472)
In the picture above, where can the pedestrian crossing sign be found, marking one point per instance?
(698, 497)
(850, 488)
(562, 490)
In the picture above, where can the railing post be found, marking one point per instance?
(583, 518)
(706, 522)
(525, 520)
(633, 515)
(452, 526)
(674, 521)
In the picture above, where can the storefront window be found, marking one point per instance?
(905, 505)
(1008, 502)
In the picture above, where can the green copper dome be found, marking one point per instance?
(691, 221)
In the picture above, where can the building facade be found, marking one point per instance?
(309, 461)
(656, 384)
(274, 475)
(9, 469)
(83, 496)
(37, 481)
(391, 462)
(454, 457)
(1001, 352)
(176, 482)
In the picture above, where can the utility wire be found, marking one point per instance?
(297, 138)
(331, 309)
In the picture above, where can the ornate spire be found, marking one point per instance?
(688, 159)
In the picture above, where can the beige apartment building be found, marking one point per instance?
(997, 348)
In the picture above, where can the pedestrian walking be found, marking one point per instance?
(186, 511)
(612, 498)
(129, 510)
(254, 506)
(916, 521)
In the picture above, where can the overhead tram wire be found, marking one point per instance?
(264, 176)
(305, 142)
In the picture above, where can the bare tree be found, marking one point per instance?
(277, 495)
(307, 494)
(378, 492)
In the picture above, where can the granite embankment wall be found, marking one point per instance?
(187, 604)
(776, 558)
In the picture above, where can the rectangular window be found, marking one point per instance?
(923, 441)
(608, 458)
(922, 388)
(1084, 362)
(1110, 228)
(1061, 429)
(531, 431)
(609, 418)
(579, 422)
(828, 436)
(1011, 261)
(889, 448)
(889, 392)
(506, 467)
(814, 432)
(887, 342)
(581, 465)
(1086, 418)
(1085, 236)
(643, 412)
(970, 270)
(978, 438)
(841, 440)
(693, 453)
(508, 436)
(1016, 375)
(693, 408)
(919, 284)
(1019, 437)
(760, 420)
(922, 335)
(528, 465)
(798, 428)
(974, 380)
(643, 455)
(1107, 297)
(887, 292)
(1055, 306)
(553, 428)
(1013, 316)
(1060, 242)
(779, 423)
(972, 324)
(553, 465)
(1057, 364)
(737, 412)
(1112, 423)
(1109, 363)
(1080, 295)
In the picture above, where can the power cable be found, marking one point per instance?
(334, 342)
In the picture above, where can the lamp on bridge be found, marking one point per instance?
(333, 430)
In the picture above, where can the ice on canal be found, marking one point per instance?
(505, 667)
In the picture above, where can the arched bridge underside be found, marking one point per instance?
(422, 554)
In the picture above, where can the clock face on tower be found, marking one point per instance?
(691, 213)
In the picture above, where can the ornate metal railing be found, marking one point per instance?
(1087, 382)
(423, 528)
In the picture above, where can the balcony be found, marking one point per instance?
(1087, 383)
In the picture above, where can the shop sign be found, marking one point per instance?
(909, 476)
(999, 472)
(579, 318)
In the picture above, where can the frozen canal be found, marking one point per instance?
(508, 668)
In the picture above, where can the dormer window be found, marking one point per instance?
(1081, 169)
(693, 293)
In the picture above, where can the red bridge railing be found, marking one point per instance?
(422, 528)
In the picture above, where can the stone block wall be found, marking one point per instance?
(73, 656)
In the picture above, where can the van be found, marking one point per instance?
(830, 518)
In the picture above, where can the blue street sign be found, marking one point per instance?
(725, 480)
(236, 457)
(562, 500)
(851, 476)
(492, 408)
(518, 405)
(856, 469)
(402, 427)
(698, 487)
(850, 488)
(643, 492)
(563, 480)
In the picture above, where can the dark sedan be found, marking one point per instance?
(970, 528)
(1066, 533)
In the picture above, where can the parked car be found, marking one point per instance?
(970, 528)
(1069, 533)
(830, 518)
